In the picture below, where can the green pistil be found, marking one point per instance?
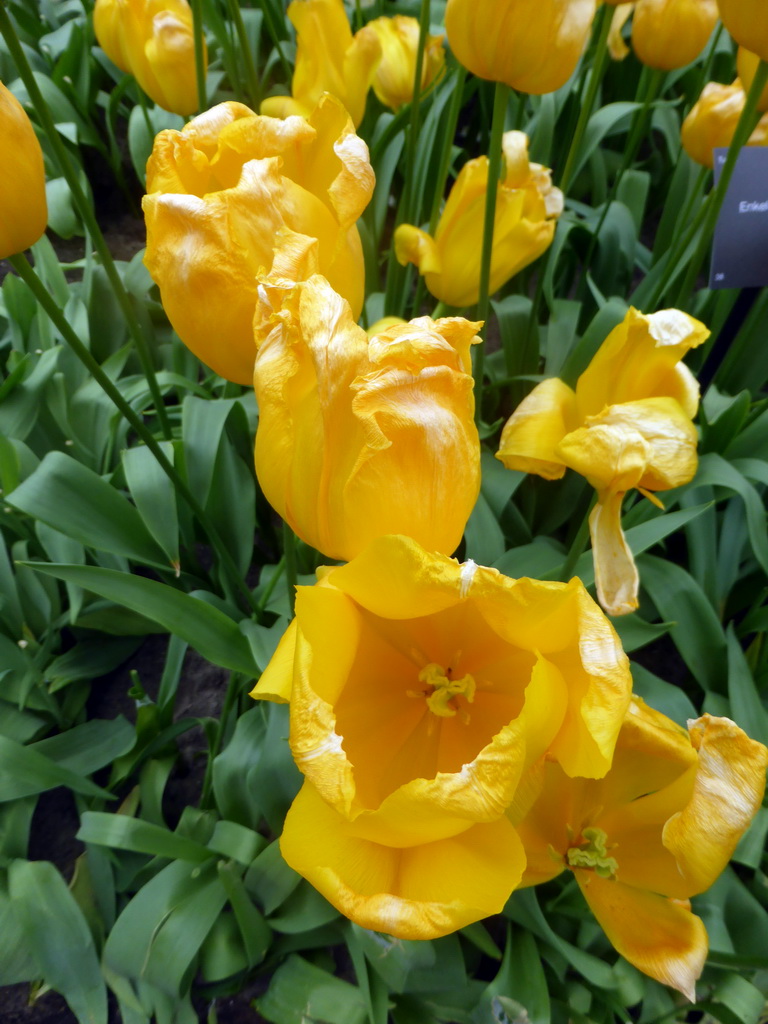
(593, 853)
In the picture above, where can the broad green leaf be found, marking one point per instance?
(86, 748)
(661, 695)
(125, 833)
(155, 496)
(747, 709)
(206, 629)
(301, 992)
(24, 771)
(76, 501)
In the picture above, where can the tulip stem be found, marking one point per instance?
(231, 695)
(746, 125)
(447, 151)
(86, 213)
(500, 100)
(29, 276)
(254, 88)
(410, 204)
(604, 17)
(198, 33)
(289, 552)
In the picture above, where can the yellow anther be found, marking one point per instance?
(593, 853)
(441, 690)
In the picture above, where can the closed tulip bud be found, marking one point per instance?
(527, 208)
(361, 437)
(712, 121)
(395, 75)
(532, 45)
(153, 41)
(668, 34)
(747, 21)
(23, 208)
(628, 424)
(659, 828)
(422, 694)
(747, 64)
(328, 59)
(234, 192)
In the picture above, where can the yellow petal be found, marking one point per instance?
(660, 937)
(412, 245)
(23, 208)
(420, 892)
(616, 577)
(535, 429)
(276, 681)
(727, 792)
(616, 45)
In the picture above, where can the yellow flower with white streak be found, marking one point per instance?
(627, 424)
(658, 829)
(422, 691)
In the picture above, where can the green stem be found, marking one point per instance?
(411, 203)
(270, 587)
(358, 15)
(445, 156)
(273, 29)
(706, 68)
(596, 77)
(233, 691)
(254, 89)
(289, 553)
(578, 546)
(749, 118)
(198, 32)
(25, 271)
(500, 100)
(86, 213)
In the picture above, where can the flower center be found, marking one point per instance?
(442, 691)
(593, 853)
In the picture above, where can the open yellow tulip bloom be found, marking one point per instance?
(395, 75)
(627, 424)
(152, 40)
(747, 21)
(668, 34)
(328, 59)
(658, 829)
(232, 193)
(527, 208)
(23, 207)
(421, 692)
(712, 120)
(532, 45)
(361, 437)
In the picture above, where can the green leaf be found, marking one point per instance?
(155, 496)
(747, 709)
(24, 771)
(122, 832)
(58, 937)
(76, 501)
(210, 632)
(300, 992)
(88, 747)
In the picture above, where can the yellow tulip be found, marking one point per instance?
(232, 193)
(628, 424)
(395, 75)
(361, 437)
(23, 207)
(328, 59)
(421, 691)
(712, 121)
(747, 21)
(658, 829)
(527, 208)
(617, 48)
(668, 34)
(532, 45)
(746, 65)
(153, 41)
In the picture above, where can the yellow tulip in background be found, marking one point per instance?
(668, 34)
(747, 21)
(531, 45)
(23, 207)
(712, 120)
(153, 41)
(628, 424)
(234, 191)
(360, 437)
(421, 694)
(328, 59)
(746, 65)
(527, 208)
(395, 75)
(658, 829)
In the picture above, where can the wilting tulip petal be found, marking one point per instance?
(416, 892)
(527, 208)
(23, 207)
(235, 194)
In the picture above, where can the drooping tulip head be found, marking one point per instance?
(395, 75)
(532, 45)
(232, 193)
(23, 207)
(361, 437)
(527, 208)
(421, 694)
(328, 59)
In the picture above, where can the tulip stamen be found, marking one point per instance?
(442, 691)
(593, 853)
